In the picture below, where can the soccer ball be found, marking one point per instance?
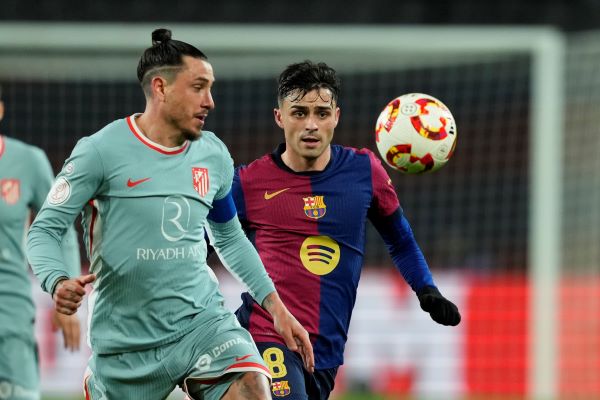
(415, 133)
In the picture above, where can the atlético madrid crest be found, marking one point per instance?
(314, 206)
(10, 190)
(200, 180)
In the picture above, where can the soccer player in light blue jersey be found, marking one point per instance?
(25, 179)
(148, 186)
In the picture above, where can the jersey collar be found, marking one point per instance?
(280, 149)
(153, 145)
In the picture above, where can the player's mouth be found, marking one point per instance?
(311, 141)
(200, 117)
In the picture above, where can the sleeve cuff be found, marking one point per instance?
(263, 291)
(52, 280)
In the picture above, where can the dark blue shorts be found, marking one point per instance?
(290, 380)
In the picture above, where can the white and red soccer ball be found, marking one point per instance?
(415, 133)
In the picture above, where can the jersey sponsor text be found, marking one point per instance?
(169, 253)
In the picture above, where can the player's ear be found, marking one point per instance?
(158, 85)
(337, 115)
(1, 110)
(277, 115)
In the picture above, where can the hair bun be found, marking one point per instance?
(160, 36)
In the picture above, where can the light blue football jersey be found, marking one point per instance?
(25, 179)
(145, 211)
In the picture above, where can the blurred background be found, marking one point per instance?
(510, 226)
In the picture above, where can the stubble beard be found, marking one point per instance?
(191, 135)
(186, 133)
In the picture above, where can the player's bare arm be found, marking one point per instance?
(70, 327)
(295, 336)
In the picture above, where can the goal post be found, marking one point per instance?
(545, 208)
(108, 52)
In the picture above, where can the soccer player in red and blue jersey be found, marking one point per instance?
(305, 206)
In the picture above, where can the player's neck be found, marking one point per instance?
(298, 163)
(158, 131)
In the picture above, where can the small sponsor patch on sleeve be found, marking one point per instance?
(69, 168)
(60, 192)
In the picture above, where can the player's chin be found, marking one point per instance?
(192, 134)
(312, 151)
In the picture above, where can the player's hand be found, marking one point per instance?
(295, 336)
(69, 325)
(441, 310)
(69, 293)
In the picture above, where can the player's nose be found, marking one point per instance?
(207, 101)
(311, 124)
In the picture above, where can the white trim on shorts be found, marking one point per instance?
(234, 368)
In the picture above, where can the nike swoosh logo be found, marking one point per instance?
(269, 196)
(243, 358)
(131, 183)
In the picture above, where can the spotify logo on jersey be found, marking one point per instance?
(320, 254)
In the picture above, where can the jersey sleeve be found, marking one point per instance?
(70, 252)
(388, 218)
(237, 193)
(43, 182)
(75, 185)
(43, 179)
(385, 201)
(231, 244)
(226, 175)
(240, 257)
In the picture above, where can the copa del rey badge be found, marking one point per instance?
(200, 180)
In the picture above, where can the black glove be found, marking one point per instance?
(442, 310)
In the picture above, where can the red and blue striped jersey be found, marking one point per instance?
(309, 229)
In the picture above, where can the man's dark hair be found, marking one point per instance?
(307, 76)
(165, 56)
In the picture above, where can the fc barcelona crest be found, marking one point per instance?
(281, 388)
(200, 180)
(314, 206)
(10, 190)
